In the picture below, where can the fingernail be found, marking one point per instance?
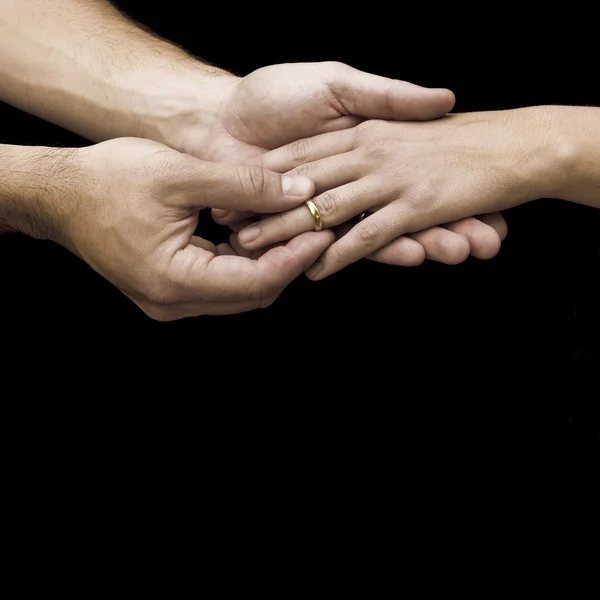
(249, 234)
(296, 187)
(219, 213)
(314, 270)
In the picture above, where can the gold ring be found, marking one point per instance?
(316, 215)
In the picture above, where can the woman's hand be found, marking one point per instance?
(410, 176)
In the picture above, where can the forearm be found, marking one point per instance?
(570, 136)
(38, 187)
(82, 65)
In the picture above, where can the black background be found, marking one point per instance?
(489, 357)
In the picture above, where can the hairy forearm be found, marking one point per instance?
(81, 64)
(38, 187)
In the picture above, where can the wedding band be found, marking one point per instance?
(316, 215)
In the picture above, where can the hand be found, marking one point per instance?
(450, 244)
(279, 104)
(134, 218)
(410, 176)
(283, 103)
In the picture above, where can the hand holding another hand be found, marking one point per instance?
(130, 209)
(279, 104)
(410, 176)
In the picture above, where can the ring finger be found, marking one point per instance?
(334, 206)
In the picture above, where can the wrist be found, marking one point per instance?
(38, 190)
(535, 159)
(177, 106)
(575, 144)
(558, 149)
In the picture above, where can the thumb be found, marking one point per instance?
(242, 187)
(374, 97)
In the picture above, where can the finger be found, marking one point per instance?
(401, 252)
(308, 150)
(483, 240)
(202, 243)
(374, 97)
(335, 207)
(443, 246)
(243, 224)
(219, 213)
(241, 251)
(364, 239)
(201, 277)
(497, 221)
(333, 171)
(231, 216)
(237, 187)
(225, 250)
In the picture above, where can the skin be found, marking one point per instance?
(86, 67)
(264, 110)
(413, 176)
(129, 208)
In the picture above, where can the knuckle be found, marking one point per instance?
(368, 130)
(333, 65)
(381, 149)
(252, 180)
(367, 234)
(422, 197)
(328, 204)
(303, 169)
(300, 150)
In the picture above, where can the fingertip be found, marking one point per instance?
(483, 239)
(248, 236)
(314, 271)
(403, 252)
(489, 247)
(435, 103)
(219, 213)
(496, 221)
(456, 248)
(447, 96)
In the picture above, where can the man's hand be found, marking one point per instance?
(409, 177)
(279, 104)
(129, 208)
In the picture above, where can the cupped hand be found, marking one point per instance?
(408, 177)
(133, 215)
(279, 104)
